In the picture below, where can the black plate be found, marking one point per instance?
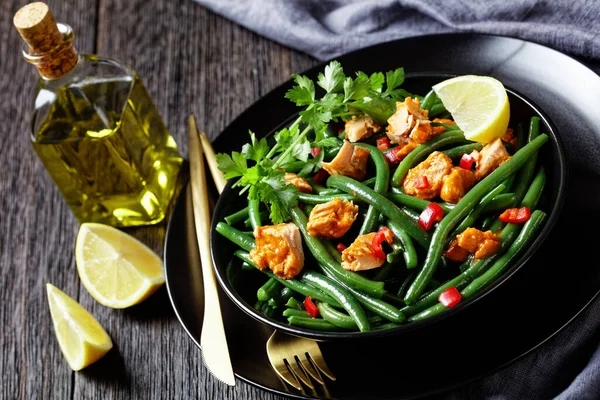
(512, 320)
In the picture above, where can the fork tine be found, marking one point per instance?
(297, 371)
(284, 373)
(319, 361)
(308, 367)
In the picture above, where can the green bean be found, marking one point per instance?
(241, 239)
(422, 151)
(332, 250)
(382, 180)
(328, 264)
(461, 209)
(341, 319)
(477, 267)
(336, 317)
(500, 202)
(509, 182)
(527, 171)
(237, 216)
(429, 99)
(405, 284)
(525, 236)
(267, 310)
(383, 204)
(336, 291)
(247, 267)
(389, 325)
(370, 182)
(294, 303)
(437, 109)
(294, 284)
(457, 152)
(279, 299)
(254, 207)
(377, 306)
(320, 199)
(288, 312)
(316, 324)
(471, 217)
(268, 289)
(409, 252)
(414, 202)
(262, 215)
(473, 270)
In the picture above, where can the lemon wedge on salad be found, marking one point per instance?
(116, 269)
(478, 104)
(80, 336)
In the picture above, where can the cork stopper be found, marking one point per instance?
(50, 49)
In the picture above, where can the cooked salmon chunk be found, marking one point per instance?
(434, 168)
(422, 131)
(350, 161)
(438, 130)
(400, 124)
(278, 247)
(361, 127)
(489, 158)
(359, 255)
(480, 244)
(456, 184)
(301, 183)
(332, 219)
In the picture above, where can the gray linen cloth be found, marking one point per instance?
(568, 365)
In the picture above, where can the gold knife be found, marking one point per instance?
(213, 342)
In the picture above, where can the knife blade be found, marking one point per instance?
(213, 341)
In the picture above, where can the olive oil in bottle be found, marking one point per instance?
(96, 129)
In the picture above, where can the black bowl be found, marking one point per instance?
(552, 156)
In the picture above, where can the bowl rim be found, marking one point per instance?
(563, 174)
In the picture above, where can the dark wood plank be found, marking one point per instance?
(38, 231)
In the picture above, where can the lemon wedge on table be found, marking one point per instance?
(116, 269)
(81, 338)
(478, 104)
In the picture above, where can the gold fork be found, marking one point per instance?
(291, 357)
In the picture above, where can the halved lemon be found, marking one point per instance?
(116, 269)
(478, 104)
(81, 338)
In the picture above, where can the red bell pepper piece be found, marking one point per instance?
(315, 151)
(383, 143)
(341, 247)
(515, 215)
(422, 182)
(450, 297)
(320, 176)
(310, 307)
(456, 253)
(383, 234)
(466, 162)
(432, 213)
(391, 156)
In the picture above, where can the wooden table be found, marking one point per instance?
(192, 61)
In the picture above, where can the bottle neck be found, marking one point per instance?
(57, 61)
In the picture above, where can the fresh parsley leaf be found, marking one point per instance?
(279, 195)
(358, 88)
(255, 150)
(312, 165)
(315, 118)
(333, 78)
(377, 80)
(327, 143)
(233, 165)
(303, 94)
(393, 79)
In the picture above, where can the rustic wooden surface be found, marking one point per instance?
(192, 61)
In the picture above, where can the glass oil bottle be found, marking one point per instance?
(96, 129)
